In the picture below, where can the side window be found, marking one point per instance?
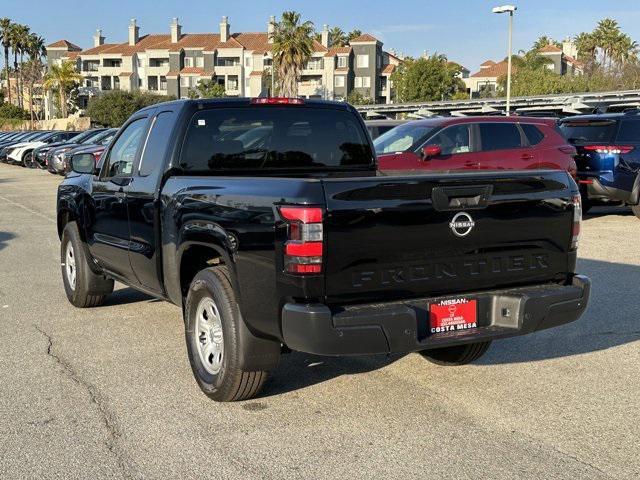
(533, 133)
(123, 153)
(453, 140)
(156, 144)
(500, 136)
(629, 131)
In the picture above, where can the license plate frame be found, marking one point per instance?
(455, 314)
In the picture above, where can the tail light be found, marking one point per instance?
(277, 101)
(303, 248)
(577, 220)
(608, 149)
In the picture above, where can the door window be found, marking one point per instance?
(533, 133)
(500, 136)
(453, 140)
(156, 144)
(123, 152)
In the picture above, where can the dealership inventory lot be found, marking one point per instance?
(108, 392)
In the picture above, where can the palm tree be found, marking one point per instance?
(31, 75)
(5, 39)
(337, 37)
(543, 41)
(61, 77)
(18, 35)
(35, 47)
(353, 34)
(292, 48)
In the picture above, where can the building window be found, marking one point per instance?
(247, 82)
(163, 83)
(339, 81)
(362, 61)
(248, 62)
(188, 62)
(139, 83)
(362, 82)
(342, 62)
(200, 62)
(139, 63)
(232, 83)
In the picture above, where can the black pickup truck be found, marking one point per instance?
(266, 221)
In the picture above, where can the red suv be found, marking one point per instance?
(476, 143)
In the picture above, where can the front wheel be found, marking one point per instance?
(29, 161)
(457, 355)
(212, 333)
(83, 287)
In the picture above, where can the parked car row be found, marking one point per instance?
(601, 152)
(51, 150)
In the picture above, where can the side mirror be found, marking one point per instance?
(83, 163)
(430, 151)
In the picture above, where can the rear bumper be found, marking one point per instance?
(599, 186)
(403, 326)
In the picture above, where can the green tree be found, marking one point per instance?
(9, 110)
(5, 40)
(355, 33)
(356, 98)
(59, 78)
(426, 79)
(32, 73)
(113, 108)
(207, 89)
(544, 41)
(19, 35)
(292, 48)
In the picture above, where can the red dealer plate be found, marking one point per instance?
(452, 315)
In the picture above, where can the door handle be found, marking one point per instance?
(527, 156)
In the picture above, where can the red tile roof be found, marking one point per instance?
(364, 38)
(318, 47)
(192, 70)
(64, 44)
(494, 71)
(338, 50)
(550, 49)
(256, 73)
(341, 70)
(488, 63)
(258, 42)
(388, 70)
(125, 74)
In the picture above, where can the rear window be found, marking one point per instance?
(402, 138)
(533, 133)
(581, 131)
(500, 136)
(629, 131)
(274, 138)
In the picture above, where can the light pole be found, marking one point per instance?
(510, 9)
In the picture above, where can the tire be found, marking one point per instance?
(28, 160)
(212, 334)
(458, 355)
(83, 287)
(636, 210)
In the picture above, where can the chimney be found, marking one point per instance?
(176, 30)
(98, 39)
(224, 29)
(271, 28)
(569, 48)
(133, 32)
(324, 37)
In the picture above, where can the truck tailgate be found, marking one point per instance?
(413, 236)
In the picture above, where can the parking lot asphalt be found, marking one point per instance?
(108, 393)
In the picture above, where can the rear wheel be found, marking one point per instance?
(212, 333)
(458, 355)
(83, 287)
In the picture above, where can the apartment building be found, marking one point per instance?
(174, 63)
(562, 61)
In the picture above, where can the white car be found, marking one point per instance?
(20, 152)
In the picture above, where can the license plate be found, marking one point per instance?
(453, 314)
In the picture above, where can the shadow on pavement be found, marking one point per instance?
(597, 212)
(4, 239)
(126, 295)
(611, 320)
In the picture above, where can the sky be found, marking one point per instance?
(464, 30)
